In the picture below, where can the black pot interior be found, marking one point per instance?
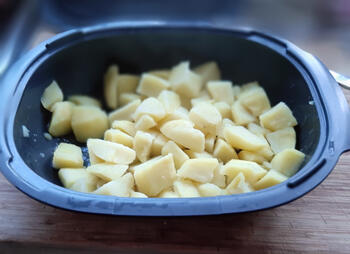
(79, 68)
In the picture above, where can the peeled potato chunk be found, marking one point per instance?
(106, 171)
(158, 143)
(69, 176)
(126, 98)
(221, 91)
(88, 122)
(209, 190)
(205, 117)
(111, 152)
(168, 194)
(126, 126)
(251, 156)
(127, 83)
(278, 117)
(195, 155)
(117, 136)
(61, 119)
(125, 112)
(251, 170)
(179, 156)
(135, 194)
(143, 145)
(200, 170)
(150, 106)
(209, 142)
(255, 100)
(178, 114)
(236, 91)
(85, 184)
(249, 86)
(223, 108)
(186, 188)
(184, 81)
(272, 178)
(170, 100)
(220, 129)
(239, 185)
(164, 74)
(84, 100)
(288, 161)
(67, 156)
(240, 115)
(110, 86)
(51, 95)
(120, 187)
(223, 151)
(219, 179)
(151, 85)
(144, 123)
(154, 176)
(183, 133)
(257, 129)
(240, 138)
(208, 71)
(282, 139)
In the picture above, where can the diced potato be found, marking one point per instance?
(265, 151)
(255, 100)
(106, 171)
(67, 156)
(143, 145)
(150, 106)
(221, 91)
(195, 155)
(200, 170)
(92, 157)
(178, 114)
(126, 126)
(251, 170)
(168, 194)
(272, 178)
(223, 151)
(209, 143)
(185, 102)
(127, 83)
(288, 161)
(151, 85)
(239, 185)
(184, 81)
(144, 123)
(69, 176)
(278, 117)
(61, 119)
(158, 143)
(251, 156)
(240, 138)
(117, 136)
(110, 86)
(125, 112)
(164, 74)
(85, 184)
(198, 100)
(236, 91)
(154, 176)
(208, 71)
(135, 194)
(282, 139)
(240, 115)
(51, 95)
(249, 86)
(170, 100)
(223, 108)
(179, 156)
(88, 122)
(257, 129)
(186, 188)
(183, 133)
(220, 129)
(112, 152)
(218, 178)
(84, 100)
(205, 118)
(126, 98)
(209, 190)
(121, 187)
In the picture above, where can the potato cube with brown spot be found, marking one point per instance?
(278, 117)
(240, 115)
(288, 161)
(151, 85)
(179, 156)
(208, 71)
(117, 136)
(61, 119)
(205, 117)
(282, 139)
(199, 170)
(121, 187)
(51, 95)
(107, 171)
(67, 156)
(186, 188)
(143, 145)
(223, 151)
(125, 112)
(271, 178)
(221, 91)
(241, 138)
(144, 123)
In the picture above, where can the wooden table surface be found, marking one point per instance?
(316, 223)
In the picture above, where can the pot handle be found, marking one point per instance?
(342, 80)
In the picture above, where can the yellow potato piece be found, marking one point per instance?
(266, 165)
(110, 86)
(208, 71)
(209, 190)
(218, 178)
(255, 100)
(150, 106)
(92, 157)
(127, 83)
(117, 136)
(184, 81)
(282, 139)
(143, 145)
(288, 161)
(183, 133)
(240, 138)
(126, 126)
(120, 187)
(86, 184)
(196, 101)
(179, 156)
(205, 117)
(106, 171)
(111, 152)
(144, 123)
(240, 115)
(68, 176)
(61, 119)
(51, 95)
(239, 185)
(185, 101)
(257, 129)
(125, 112)
(209, 143)
(236, 91)
(135, 194)
(126, 98)
(249, 86)
(195, 155)
(164, 74)
(67, 156)
(88, 122)
(186, 188)
(223, 151)
(220, 129)
(278, 117)
(168, 194)
(251, 170)
(265, 151)
(224, 109)
(272, 178)
(151, 85)
(84, 100)
(170, 100)
(154, 176)
(159, 142)
(178, 114)
(200, 170)
(251, 156)
(221, 91)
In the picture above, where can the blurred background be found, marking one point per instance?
(321, 27)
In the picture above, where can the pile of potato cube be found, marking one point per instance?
(173, 133)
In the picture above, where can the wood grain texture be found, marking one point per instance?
(316, 223)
